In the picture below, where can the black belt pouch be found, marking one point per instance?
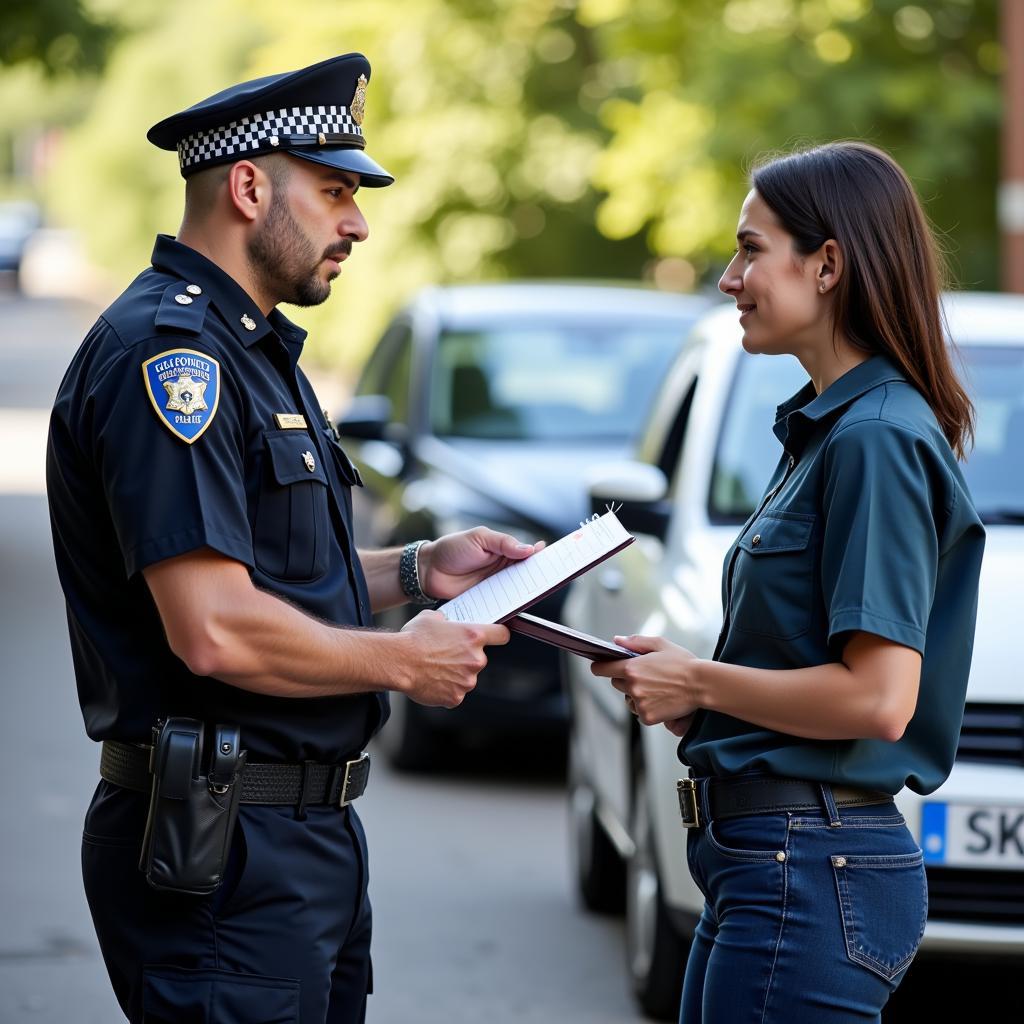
(192, 815)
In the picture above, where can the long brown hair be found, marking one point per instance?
(888, 298)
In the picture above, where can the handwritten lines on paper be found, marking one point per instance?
(520, 585)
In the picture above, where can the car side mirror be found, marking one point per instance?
(366, 418)
(639, 488)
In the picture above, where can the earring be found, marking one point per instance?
(822, 289)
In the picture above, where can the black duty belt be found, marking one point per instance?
(738, 796)
(304, 784)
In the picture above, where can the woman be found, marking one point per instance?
(850, 597)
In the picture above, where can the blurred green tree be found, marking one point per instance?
(60, 36)
(569, 138)
(708, 87)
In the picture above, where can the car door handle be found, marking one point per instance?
(612, 580)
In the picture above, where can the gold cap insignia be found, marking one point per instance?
(358, 107)
(307, 458)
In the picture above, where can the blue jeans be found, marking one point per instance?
(804, 922)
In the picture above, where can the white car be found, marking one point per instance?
(705, 459)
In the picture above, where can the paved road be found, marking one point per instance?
(474, 918)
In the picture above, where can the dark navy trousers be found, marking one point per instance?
(284, 940)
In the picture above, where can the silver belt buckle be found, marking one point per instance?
(343, 800)
(687, 791)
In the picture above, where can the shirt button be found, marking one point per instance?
(307, 458)
(792, 461)
(756, 540)
(193, 289)
(184, 300)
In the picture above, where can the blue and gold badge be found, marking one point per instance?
(184, 387)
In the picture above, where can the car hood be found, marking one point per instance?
(994, 666)
(540, 481)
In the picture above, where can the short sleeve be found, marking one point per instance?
(880, 549)
(170, 493)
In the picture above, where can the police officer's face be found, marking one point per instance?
(775, 288)
(308, 233)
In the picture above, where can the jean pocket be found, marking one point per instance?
(751, 838)
(883, 901)
(179, 994)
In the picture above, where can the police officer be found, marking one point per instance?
(201, 514)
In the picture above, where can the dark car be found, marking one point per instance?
(487, 404)
(19, 218)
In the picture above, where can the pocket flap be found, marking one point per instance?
(775, 532)
(171, 993)
(292, 453)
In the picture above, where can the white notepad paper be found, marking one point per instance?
(522, 584)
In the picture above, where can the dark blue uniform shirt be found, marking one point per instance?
(867, 525)
(163, 440)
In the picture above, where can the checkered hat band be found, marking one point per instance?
(253, 132)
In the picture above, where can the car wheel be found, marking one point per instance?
(407, 741)
(655, 951)
(596, 864)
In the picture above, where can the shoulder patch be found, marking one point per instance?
(181, 310)
(184, 388)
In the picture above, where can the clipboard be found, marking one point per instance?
(521, 585)
(571, 640)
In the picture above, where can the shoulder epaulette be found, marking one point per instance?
(182, 309)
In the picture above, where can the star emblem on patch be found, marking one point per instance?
(185, 394)
(183, 386)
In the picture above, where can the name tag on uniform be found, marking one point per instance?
(289, 421)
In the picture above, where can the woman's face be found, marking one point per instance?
(777, 291)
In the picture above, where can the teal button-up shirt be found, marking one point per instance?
(867, 524)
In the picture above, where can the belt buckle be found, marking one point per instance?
(687, 791)
(343, 797)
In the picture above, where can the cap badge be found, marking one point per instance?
(358, 108)
(183, 387)
(248, 323)
(307, 458)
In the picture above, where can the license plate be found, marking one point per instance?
(972, 835)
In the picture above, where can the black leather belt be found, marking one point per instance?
(304, 784)
(763, 794)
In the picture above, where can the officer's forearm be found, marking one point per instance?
(220, 625)
(381, 571)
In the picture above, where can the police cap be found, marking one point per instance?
(316, 114)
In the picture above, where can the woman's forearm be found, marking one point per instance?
(826, 702)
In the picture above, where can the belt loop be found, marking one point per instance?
(830, 805)
(703, 799)
(304, 794)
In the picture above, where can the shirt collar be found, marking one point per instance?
(230, 298)
(807, 406)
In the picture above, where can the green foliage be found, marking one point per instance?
(57, 35)
(557, 137)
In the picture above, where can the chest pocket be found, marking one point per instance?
(293, 523)
(773, 580)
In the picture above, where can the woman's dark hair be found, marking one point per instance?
(887, 298)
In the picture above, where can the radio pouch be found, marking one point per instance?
(192, 815)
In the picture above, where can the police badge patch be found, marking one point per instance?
(184, 388)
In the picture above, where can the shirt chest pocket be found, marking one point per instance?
(773, 580)
(292, 531)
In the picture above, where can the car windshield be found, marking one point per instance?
(748, 450)
(561, 382)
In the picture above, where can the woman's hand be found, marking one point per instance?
(659, 684)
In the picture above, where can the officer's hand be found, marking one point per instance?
(448, 656)
(458, 561)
